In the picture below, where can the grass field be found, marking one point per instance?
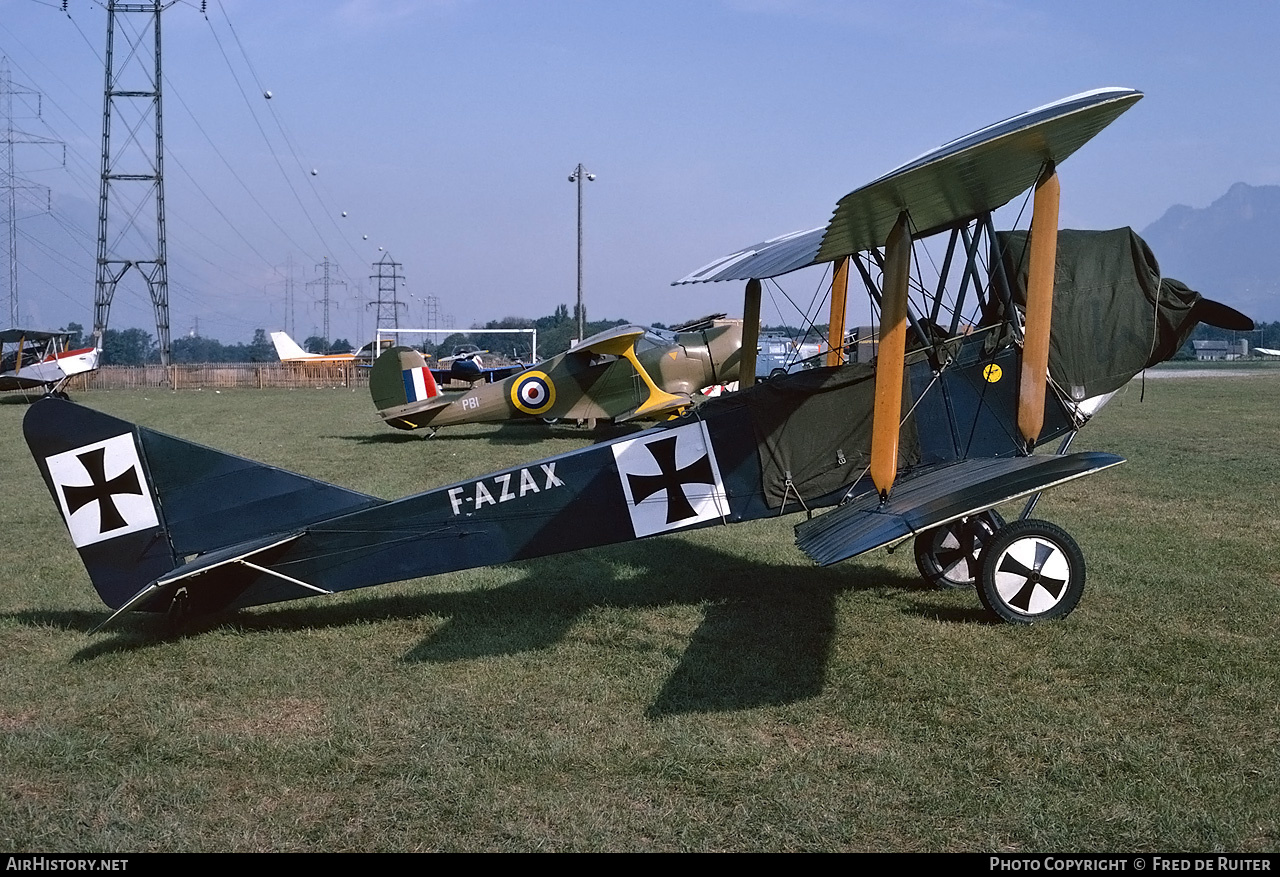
(707, 691)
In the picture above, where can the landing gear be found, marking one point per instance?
(1031, 571)
(947, 556)
(179, 611)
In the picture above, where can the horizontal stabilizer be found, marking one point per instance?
(937, 495)
(224, 573)
(223, 556)
(402, 385)
(408, 411)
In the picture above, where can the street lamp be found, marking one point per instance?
(578, 175)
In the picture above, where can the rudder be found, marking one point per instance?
(401, 376)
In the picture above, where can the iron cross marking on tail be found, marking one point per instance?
(101, 489)
(115, 501)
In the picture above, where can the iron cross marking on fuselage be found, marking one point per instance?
(671, 479)
(101, 489)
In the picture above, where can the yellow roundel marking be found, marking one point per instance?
(992, 373)
(533, 393)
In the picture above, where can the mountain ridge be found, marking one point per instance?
(1228, 251)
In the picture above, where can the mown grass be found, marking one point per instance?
(708, 691)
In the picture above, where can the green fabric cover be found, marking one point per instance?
(814, 427)
(1113, 314)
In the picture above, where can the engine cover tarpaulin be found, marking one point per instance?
(1113, 314)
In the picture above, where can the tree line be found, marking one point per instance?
(1264, 334)
(555, 333)
(137, 347)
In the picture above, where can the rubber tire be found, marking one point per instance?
(1017, 563)
(777, 373)
(950, 570)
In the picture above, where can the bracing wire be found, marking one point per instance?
(285, 136)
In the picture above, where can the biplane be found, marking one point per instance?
(621, 374)
(30, 358)
(975, 374)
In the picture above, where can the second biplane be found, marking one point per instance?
(32, 359)
(625, 373)
(973, 375)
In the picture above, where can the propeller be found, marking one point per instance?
(1215, 313)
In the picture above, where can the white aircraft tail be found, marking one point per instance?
(288, 349)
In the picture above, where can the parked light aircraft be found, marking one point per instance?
(621, 374)
(974, 372)
(466, 365)
(31, 358)
(290, 352)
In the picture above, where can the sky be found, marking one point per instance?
(440, 134)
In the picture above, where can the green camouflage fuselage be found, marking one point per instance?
(578, 385)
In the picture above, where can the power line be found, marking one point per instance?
(10, 182)
(325, 281)
(388, 303)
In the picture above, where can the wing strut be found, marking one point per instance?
(887, 414)
(839, 301)
(659, 399)
(750, 334)
(1035, 350)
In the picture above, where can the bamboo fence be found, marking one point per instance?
(222, 375)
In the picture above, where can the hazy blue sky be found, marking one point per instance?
(446, 130)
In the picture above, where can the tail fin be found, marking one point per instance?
(401, 376)
(140, 504)
(288, 350)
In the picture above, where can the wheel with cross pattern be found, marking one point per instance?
(1031, 571)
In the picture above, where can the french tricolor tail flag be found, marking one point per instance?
(419, 384)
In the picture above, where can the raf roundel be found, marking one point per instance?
(533, 393)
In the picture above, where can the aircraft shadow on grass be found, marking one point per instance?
(764, 637)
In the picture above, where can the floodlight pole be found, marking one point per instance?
(579, 173)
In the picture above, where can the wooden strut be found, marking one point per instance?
(839, 301)
(1035, 350)
(887, 413)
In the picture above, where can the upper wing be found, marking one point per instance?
(944, 187)
(771, 258)
(971, 175)
(611, 341)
